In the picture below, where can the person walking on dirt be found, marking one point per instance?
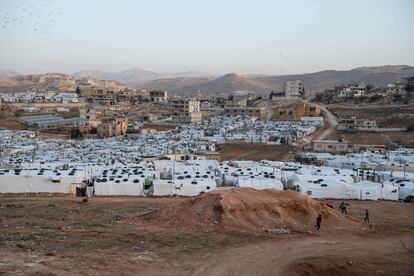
(366, 216)
(343, 208)
(318, 222)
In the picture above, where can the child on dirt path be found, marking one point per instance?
(366, 216)
(318, 222)
(343, 208)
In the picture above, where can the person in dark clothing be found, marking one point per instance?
(343, 207)
(318, 222)
(366, 216)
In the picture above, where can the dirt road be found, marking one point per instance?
(330, 128)
(332, 123)
(281, 258)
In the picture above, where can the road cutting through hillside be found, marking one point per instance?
(330, 127)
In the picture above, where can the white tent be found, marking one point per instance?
(405, 188)
(328, 189)
(112, 188)
(373, 191)
(184, 187)
(36, 181)
(260, 183)
(406, 191)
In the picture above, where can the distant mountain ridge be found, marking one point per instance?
(191, 83)
(8, 73)
(328, 79)
(227, 83)
(137, 76)
(313, 82)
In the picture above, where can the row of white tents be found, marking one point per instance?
(167, 178)
(383, 160)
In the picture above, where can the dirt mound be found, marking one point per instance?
(248, 210)
(340, 265)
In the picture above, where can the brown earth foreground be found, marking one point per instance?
(238, 232)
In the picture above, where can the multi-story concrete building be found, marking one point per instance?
(177, 105)
(113, 127)
(185, 110)
(187, 117)
(236, 102)
(296, 111)
(294, 89)
(158, 96)
(259, 112)
(353, 90)
(92, 116)
(101, 96)
(334, 146)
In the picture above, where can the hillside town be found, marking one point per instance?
(157, 136)
(206, 138)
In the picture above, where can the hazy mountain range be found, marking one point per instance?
(190, 83)
(137, 76)
(314, 82)
(8, 73)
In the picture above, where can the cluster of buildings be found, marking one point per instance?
(108, 108)
(352, 125)
(394, 91)
(352, 90)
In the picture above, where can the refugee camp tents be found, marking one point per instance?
(373, 191)
(133, 186)
(405, 188)
(259, 183)
(183, 187)
(39, 181)
(327, 188)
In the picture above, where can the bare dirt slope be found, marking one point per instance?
(250, 210)
(58, 235)
(385, 115)
(405, 139)
(255, 152)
